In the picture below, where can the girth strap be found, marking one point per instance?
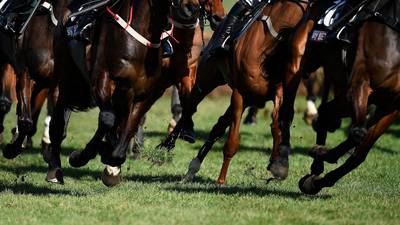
(49, 7)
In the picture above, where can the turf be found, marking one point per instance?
(153, 194)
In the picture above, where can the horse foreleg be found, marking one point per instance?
(38, 98)
(106, 121)
(58, 132)
(232, 144)
(7, 90)
(24, 94)
(312, 184)
(205, 83)
(216, 133)
(279, 160)
(176, 109)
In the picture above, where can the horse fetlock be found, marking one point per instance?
(25, 125)
(78, 159)
(318, 152)
(107, 119)
(357, 134)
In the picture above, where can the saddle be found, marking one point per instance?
(341, 20)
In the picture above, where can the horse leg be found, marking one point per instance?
(136, 144)
(58, 132)
(216, 133)
(278, 162)
(312, 184)
(127, 129)
(7, 88)
(202, 87)
(232, 144)
(359, 92)
(51, 102)
(24, 92)
(38, 98)
(106, 122)
(251, 117)
(311, 111)
(176, 109)
(292, 79)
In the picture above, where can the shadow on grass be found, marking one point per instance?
(27, 188)
(76, 173)
(148, 179)
(237, 190)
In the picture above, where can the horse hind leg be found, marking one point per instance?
(312, 184)
(232, 144)
(216, 133)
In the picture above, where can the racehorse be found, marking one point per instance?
(35, 80)
(242, 70)
(374, 80)
(124, 73)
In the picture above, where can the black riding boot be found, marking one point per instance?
(167, 48)
(221, 39)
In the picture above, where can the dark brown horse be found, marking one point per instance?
(374, 80)
(35, 81)
(125, 74)
(242, 69)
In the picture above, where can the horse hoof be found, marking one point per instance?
(279, 169)
(193, 169)
(10, 151)
(55, 176)
(188, 135)
(307, 184)
(75, 159)
(111, 176)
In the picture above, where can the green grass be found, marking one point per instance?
(153, 194)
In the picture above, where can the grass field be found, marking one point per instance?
(153, 194)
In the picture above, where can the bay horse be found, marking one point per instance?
(374, 80)
(35, 80)
(123, 75)
(242, 69)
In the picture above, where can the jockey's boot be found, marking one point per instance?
(221, 40)
(83, 17)
(167, 48)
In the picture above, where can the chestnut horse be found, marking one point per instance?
(374, 80)
(35, 81)
(242, 70)
(125, 74)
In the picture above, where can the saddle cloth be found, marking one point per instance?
(341, 15)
